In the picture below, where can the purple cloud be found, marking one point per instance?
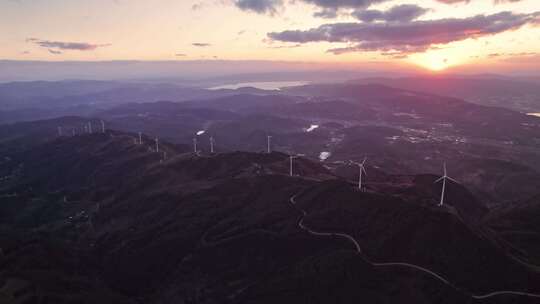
(407, 37)
(327, 13)
(286, 46)
(340, 4)
(54, 52)
(328, 8)
(399, 13)
(259, 6)
(79, 46)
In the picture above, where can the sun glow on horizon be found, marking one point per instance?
(436, 66)
(440, 60)
(435, 63)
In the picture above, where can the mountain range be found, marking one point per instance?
(134, 212)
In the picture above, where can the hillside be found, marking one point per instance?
(122, 224)
(518, 229)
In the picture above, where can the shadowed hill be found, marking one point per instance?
(401, 228)
(519, 230)
(103, 219)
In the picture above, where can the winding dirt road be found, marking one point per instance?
(433, 274)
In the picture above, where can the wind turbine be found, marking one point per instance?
(212, 141)
(268, 142)
(140, 138)
(59, 131)
(73, 131)
(157, 145)
(195, 145)
(102, 126)
(163, 157)
(90, 127)
(443, 179)
(362, 170)
(291, 158)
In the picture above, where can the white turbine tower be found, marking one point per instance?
(140, 138)
(362, 171)
(59, 131)
(73, 132)
(195, 139)
(195, 145)
(443, 179)
(90, 127)
(212, 141)
(268, 143)
(102, 126)
(291, 158)
(157, 145)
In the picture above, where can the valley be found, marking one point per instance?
(125, 219)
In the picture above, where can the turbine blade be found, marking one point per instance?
(363, 162)
(364, 170)
(438, 180)
(444, 166)
(455, 181)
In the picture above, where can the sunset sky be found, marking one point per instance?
(494, 35)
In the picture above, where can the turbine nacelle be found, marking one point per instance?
(444, 178)
(291, 158)
(362, 170)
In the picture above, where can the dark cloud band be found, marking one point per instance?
(328, 8)
(259, 6)
(407, 37)
(59, 45)
(399, 13)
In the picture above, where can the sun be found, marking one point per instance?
(437, 66)
(434, 63)
(439, 60)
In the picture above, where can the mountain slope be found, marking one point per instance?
(123, 224)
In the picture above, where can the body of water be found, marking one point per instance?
(263, 85)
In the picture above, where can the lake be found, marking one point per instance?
(262, 85)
